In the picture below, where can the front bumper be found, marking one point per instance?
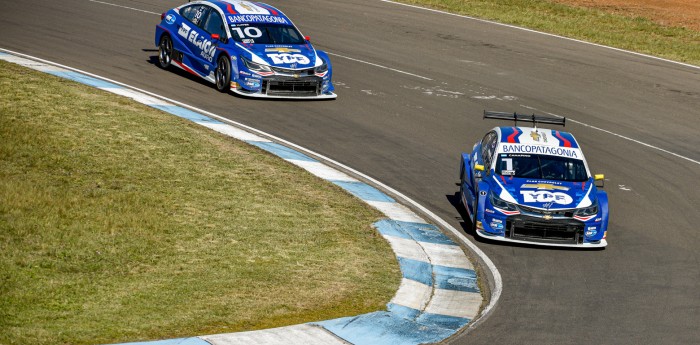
(283, 83)
(601, 244)
(562, 232)
(285, 87)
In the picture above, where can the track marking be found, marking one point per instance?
(130, 8)
(617, 135)
(540, 32)
(380, 66)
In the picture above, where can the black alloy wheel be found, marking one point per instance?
(223, 73)
(165, 51)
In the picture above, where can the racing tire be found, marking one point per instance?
(474, 210)
(165, 51)
(223, 73)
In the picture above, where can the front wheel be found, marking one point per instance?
(165, 51)
(475, 209)
(223, 73)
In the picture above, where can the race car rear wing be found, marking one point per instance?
(525, 118)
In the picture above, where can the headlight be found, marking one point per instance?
(256, 67)
(323, 68)
(588, 211)
(500, 203)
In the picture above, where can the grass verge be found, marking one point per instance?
(633, 33)
(121, 223)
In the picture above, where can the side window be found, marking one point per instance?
(188, 12)
(214, 24)
(195, 13)
(488, 148)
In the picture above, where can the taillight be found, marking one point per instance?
(162, 16)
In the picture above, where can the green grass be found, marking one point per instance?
(121, 223)
(631, 33)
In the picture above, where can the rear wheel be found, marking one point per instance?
(223, 73)
(165, 51)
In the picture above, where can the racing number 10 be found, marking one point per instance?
(250, 31)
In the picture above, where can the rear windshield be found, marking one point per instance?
(266, 34)
(541, 167)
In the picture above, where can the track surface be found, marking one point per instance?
(408, 131)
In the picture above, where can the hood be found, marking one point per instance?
(546, 194)
(298, 56)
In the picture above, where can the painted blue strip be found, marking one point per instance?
(178, 341)
(451, 278)
(282, 151)
(384, 328)
(81, 78)
(402, 311)
(364, 191)
(184, 113)
(443, 321)
(413, 231)
(416, 270)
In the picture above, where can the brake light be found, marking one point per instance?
(162, 16)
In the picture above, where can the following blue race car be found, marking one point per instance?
(250, 48)
(533, 185)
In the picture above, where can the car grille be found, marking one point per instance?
(299, 72)
(564, 231)
(540, 212)
(283, 86)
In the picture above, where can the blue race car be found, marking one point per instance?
(532, 185)
(250, 48)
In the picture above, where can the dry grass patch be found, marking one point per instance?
(121, 223)
(616, 23)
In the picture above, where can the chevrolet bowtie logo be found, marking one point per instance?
(545, 186)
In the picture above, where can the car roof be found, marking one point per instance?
(536, 136)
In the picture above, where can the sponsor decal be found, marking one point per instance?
(184, 30)
(289, 59)
(282, 50)
(254, 83)
(248, 7)
(256, 18)
(170, 19)
(508, 172)
(207, 47)
(545, 196)
(535, 136)
(546, 150)
(544, 186)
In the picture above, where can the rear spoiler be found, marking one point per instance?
(525, 118)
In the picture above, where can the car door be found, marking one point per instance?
(200, 47)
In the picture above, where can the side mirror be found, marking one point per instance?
(215, 37)
(307, 38)
(599, 178)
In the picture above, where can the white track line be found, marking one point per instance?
(540, 32)
(130, 8)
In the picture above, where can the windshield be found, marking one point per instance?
(541, 167)
(266, 34)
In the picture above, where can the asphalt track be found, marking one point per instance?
(636, 118)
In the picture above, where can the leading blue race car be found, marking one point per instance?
(250, 48)
(532, 185)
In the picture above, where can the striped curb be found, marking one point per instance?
(438, 294)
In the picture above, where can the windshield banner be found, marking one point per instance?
(542, 150)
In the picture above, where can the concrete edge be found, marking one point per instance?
(411, 318)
